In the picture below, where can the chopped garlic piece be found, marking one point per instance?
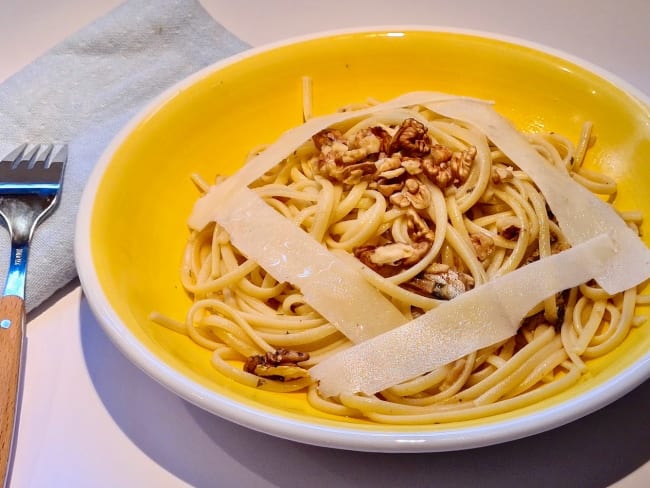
(580, 214)
(337, 291)
(478, 318)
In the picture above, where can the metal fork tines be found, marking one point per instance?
(32, 170)
(30, 183)
(30, 179)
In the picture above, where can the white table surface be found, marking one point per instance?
(91, 419)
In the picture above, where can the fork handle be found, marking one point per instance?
(12, 328)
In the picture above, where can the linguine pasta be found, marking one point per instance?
(427, 208)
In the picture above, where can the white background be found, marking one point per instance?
(91, 419)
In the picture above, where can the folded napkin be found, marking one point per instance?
(83, 91)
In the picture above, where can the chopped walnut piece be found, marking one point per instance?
(391, 253)
(420, 249)
(400, 200)
(389, 187)
(346, 162)
(365, 253)
(412, 166)
(418, 193)
(330, 157)
(440, 153)
(389, 168)
(418, 228)
(483, 245)
(394, 253)
(354, 173)
(390, 175)
(436, 166)
(461, 164)
(389, 259)
(388, 164)
(445, 167)
(393, 173)
(414, 193)
(367, 140)
(411, 139)
(501, 174)
(384, 136)
(444, 285)
(287, 356)
(282, 365)
(354, 155)
(327, 137)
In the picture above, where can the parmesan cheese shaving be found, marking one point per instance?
(204, 209)
(580, 214)
(476, 319)
(338, 292)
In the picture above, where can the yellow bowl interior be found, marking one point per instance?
(138, 221)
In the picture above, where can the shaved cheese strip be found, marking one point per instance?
(337, 291)
(204, 208)
(478, 318)
(580, 214)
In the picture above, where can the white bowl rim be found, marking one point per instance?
(344, 437)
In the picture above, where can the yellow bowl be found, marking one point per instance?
(132, 223)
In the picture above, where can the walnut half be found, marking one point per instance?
(445, 167)
(414, 193)
(389, 259)
(441, 282)
(411, 139)
(346, 161)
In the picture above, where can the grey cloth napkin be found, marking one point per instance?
(83, 91)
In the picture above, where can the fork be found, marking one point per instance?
(30, 183)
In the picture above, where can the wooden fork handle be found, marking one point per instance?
(12, 318)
